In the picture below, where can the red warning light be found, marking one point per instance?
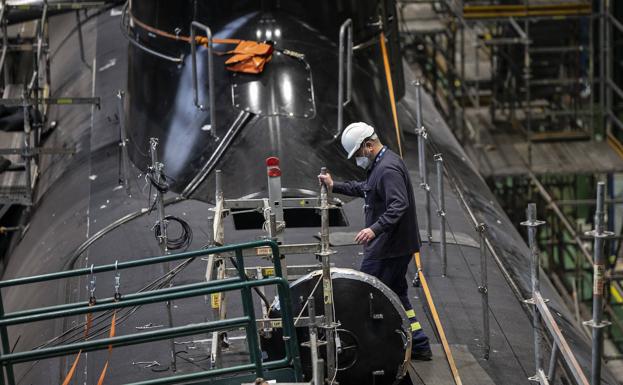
(272, 161)
(274, 171)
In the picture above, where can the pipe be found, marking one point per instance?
(442, 215)
(484, 291)
(327, 283)
(532, 223)
(597, 323)
(421, 133)
(346, 27)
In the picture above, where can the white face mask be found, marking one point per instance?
(362, 162)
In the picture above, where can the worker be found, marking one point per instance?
(391, 235)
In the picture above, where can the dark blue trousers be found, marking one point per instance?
(392, 272)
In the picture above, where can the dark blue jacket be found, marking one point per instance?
(389, 207)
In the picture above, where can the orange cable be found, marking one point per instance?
(112, 334)
(72, 371)
(438, 325)
(200, 39)
(390, 87)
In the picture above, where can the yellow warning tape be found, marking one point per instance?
(390, 87)
(438, 325)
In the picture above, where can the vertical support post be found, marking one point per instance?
(442, 214)
(551, 372)
(27, 148)
(324, 215)
(477, 80)
(5, 42)
(346, 32)
(463, 87)
(275, 201)
(249, 311)
(123, 141)
(422, 135)
(317, 373)
(483, 289)
(327, 283)
(80, 39)
(602, 65)
(5, 350)
(597, 323)
(527, 75)
(532, 223)
(157, 170)
(494, 91)
(591, 73)
(217, 300)
(608, 58)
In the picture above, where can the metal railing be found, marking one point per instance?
(542, 318)
(126, 31)
(345, 49)
(248, 321)
(193, 46)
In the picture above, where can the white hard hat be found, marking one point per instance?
(354, 135)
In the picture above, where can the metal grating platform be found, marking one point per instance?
(507, 155)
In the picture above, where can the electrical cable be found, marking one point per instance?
(181, 242)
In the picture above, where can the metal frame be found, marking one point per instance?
(272, 209)
(248, 321)
(125, 29)
(455, 92)
(32, 96)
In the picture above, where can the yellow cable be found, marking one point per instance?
(390, 86)
(442, 334)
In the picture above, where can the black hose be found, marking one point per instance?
(160, 184)
(181, 242)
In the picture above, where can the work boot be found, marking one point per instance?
(422, 355)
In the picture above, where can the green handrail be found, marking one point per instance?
(291, 359)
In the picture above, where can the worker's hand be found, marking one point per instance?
(326, 179)
(365, 236)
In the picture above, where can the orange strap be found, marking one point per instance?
(112, 334)
(72, 371)
(390, 87)
(438, 325)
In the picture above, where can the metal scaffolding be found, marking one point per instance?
(22, 149)
(534, 72)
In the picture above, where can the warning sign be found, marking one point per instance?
(263, 251)
(268, 271)
(215, 299)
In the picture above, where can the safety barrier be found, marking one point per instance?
(291, 361)
(541, 314)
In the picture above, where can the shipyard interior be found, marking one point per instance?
(172, 212)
